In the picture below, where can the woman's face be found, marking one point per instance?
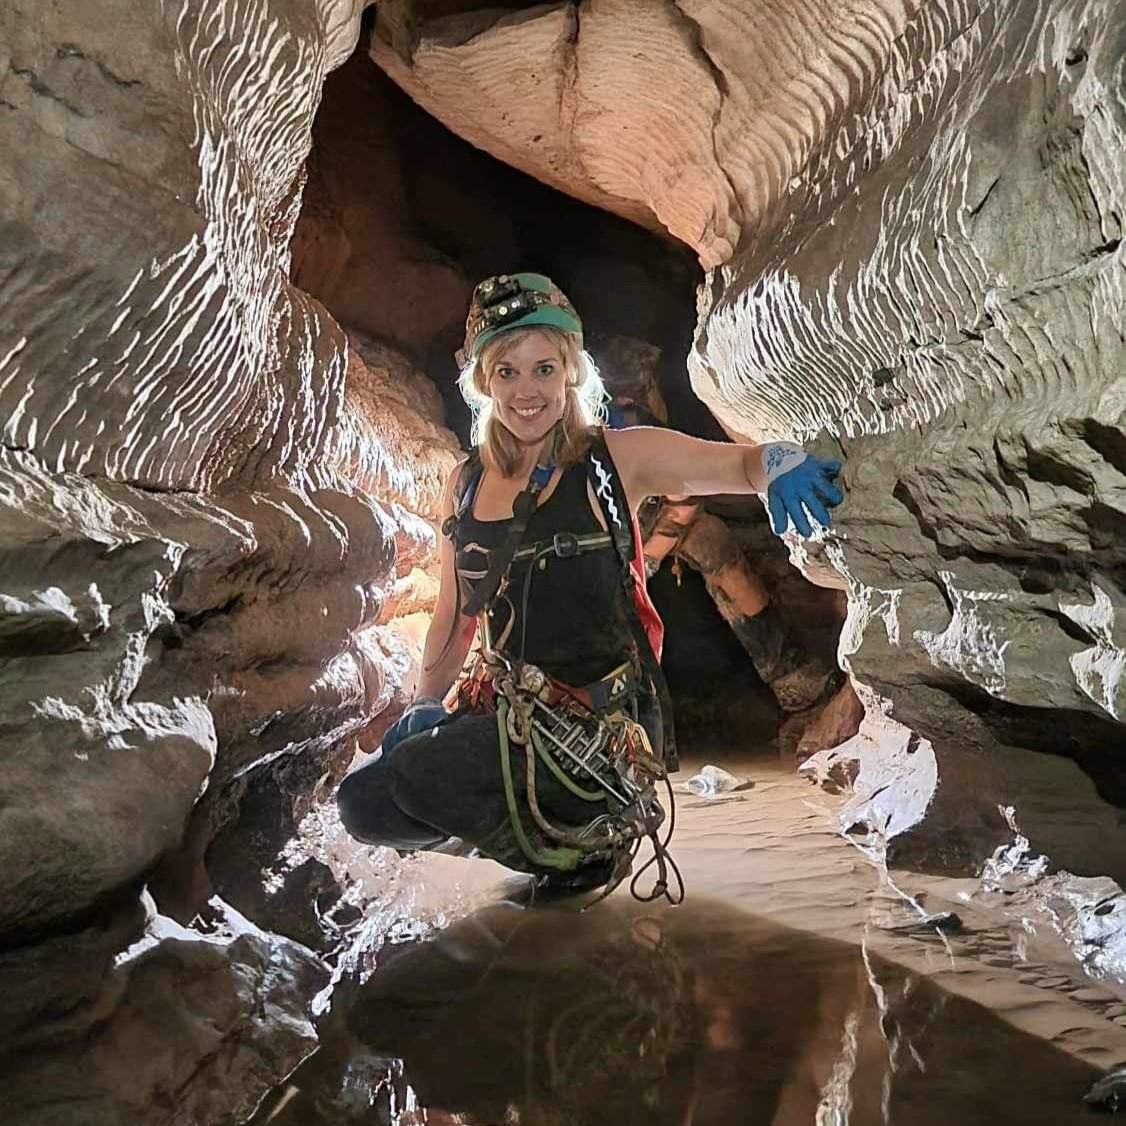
(528, 386)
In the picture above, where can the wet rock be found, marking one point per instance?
(833, 769)
(833, 724)
(57, 984)
(391, 442)
(248, 862)
(1109, 1093)
(191, 1027)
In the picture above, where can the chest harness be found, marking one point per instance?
(586, 738)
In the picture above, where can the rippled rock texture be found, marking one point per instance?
(912, 214)
(943, 292)
(200, 499)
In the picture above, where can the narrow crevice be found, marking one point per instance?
(988, 192)
(38, 86)
(72, 51)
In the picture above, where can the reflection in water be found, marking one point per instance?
(695, 1016)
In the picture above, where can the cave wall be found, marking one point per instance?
(203, 506)
(946, 301)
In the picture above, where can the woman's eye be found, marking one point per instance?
(506, 373)
(546, 369)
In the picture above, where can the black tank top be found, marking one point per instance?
(576, 627)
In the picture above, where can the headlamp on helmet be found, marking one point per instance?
(511, 301)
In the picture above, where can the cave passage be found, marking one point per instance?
(238, 240)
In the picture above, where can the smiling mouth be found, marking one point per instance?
(527, 412)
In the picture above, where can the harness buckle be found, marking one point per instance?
(565, 544)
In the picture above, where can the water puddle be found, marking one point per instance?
(692, 1016)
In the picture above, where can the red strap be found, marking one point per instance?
(650, 619)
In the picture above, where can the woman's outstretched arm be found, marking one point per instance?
(658, 462)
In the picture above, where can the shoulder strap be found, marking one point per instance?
(611, 494)
(523, 508)
(465, 489)
(607, 485)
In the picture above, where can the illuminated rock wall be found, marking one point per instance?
(199, 504)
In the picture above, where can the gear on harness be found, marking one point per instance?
(510, 301)
(582, 749)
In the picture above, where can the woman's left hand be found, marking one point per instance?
(796, 483)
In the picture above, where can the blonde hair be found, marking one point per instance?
(584, 407)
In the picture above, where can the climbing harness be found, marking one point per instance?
(585, 738)
(605, 759)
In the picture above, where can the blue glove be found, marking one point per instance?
(422, 715)
(795, 479)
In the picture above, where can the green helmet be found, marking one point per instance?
(511, 301)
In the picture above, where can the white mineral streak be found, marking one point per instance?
(183, 368)
(970, 644)
(1089, 912)
(835, 1105)
(898, 331)
(894, 772)
(865, 604)
(1099, 670)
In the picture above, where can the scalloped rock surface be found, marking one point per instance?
(913, 219)
(943, 293)
(688, 116)
(201, 501)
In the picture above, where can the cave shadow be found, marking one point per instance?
(698, 1014)
(1091, 741)
(722, 709)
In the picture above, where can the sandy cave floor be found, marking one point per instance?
(808, 970)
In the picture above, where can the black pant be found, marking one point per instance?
(448, 782)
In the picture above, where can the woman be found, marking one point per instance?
(549, 760)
